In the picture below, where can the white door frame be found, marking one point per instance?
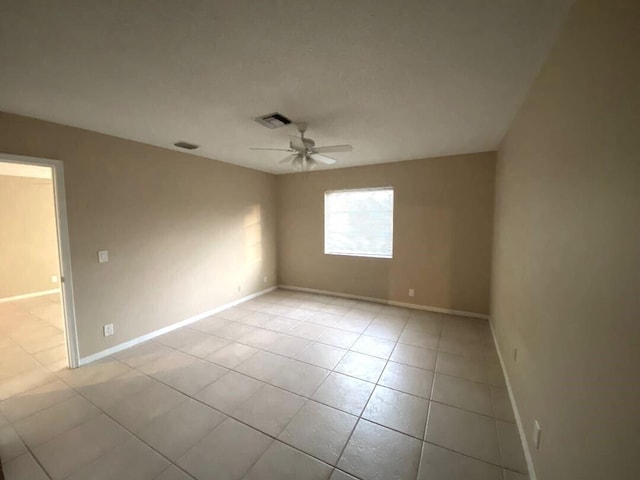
(64, 251)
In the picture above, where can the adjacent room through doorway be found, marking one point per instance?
(31, 314)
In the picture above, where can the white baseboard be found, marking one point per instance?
(394, 303)
(169, 328)
(29, 295)
(516, 412)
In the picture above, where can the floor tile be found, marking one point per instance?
(281, 462)
(210, 325)
(442, 464)
(399, 411)
(233, 331)
(100, 371)
(509, 475)
(262, 365)
(321, 355)
(408, 379)
(173, 473)
(465, 432)
(51, 355)
(69, 452)
(414, 356)
(11, 445)
(231, 355)
(107, 393)
(495, 375)
(300, 378)
(344, 393)
(46, 424)
(308, 331)
(419, 339)
(24, 467)
(180, 337)
(300, 337)
(502, 405)
(176, 431)
(289, 346)
(320, 431)
(383, 328)
(464, 348)
(25, 381)
(378, 453)
(259, 338)
(191, 377)
(166, 363)
(233, 313)
(229, 450)
(229, 391)
(511, 447)
(361, 366)
(376, 347)
(134, 357)
(132, 460)
(205, 346)
(33, 401)
(457, 366)
(340, 475)
(269, 409)
(462, 393)
(145, 405)
(338, 338)
(257, 319)
(280, 324)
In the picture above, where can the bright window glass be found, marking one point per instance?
(359, 222)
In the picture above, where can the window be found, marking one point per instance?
(359, 222)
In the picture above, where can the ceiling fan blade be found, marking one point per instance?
(274, 149)
(288, 158)
(296, 142)
(322, 159)
(332, 148)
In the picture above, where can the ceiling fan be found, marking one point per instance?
(304, 153)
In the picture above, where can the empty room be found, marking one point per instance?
(319, 240)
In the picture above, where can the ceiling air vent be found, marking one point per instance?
(186, 145)
(273, 120)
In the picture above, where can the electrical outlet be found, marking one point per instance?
(54, 279)
(265, 279)
(515, 355)
(107, 329)
(537, 431)
(239, 289)
(412, 292)
(103, 256)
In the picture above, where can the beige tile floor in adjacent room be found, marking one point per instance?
(288, 385)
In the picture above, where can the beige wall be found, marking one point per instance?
(183, 232)
(28, 244)
(443, 210)
(566, 268)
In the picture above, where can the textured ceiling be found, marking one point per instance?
(396, 79)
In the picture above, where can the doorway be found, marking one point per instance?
(37, 318)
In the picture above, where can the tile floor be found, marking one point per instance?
(286, 386)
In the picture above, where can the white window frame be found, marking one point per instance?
(361, 254)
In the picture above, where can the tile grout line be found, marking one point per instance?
(368, 400)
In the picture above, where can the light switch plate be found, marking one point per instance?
(103, 256)
(536, 434)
